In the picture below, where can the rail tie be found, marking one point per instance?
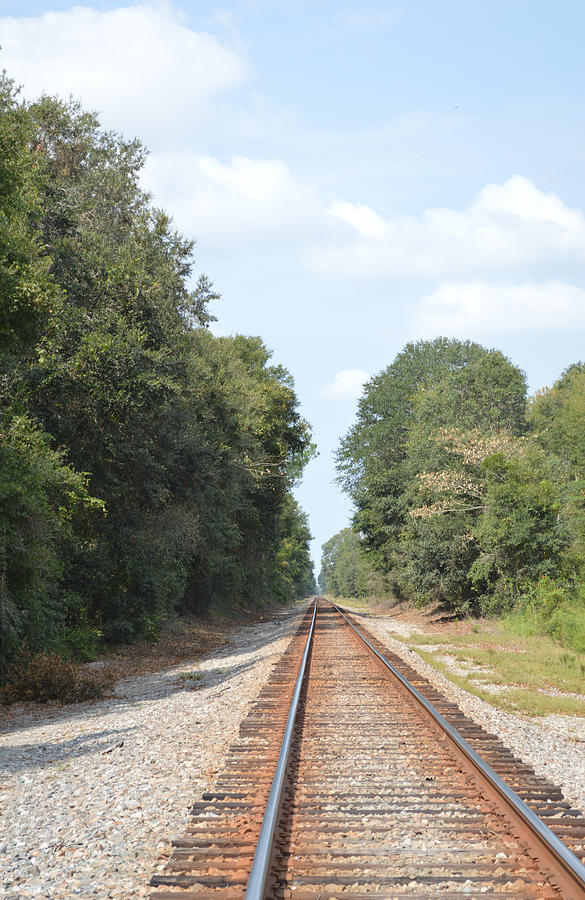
(570, 876)
(349, 780)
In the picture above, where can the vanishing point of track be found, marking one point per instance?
(353, 776)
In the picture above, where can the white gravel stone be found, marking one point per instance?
(554, 745)
(90, 795)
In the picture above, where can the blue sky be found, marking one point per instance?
(355, 176)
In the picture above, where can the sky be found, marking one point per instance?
(355, 176)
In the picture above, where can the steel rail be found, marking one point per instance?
(259, 871)
(572, 873)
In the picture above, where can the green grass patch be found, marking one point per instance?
(522, 668)
(360, 604)
(192, 679)
(551, 608)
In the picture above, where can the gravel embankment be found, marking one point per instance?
(553, 745)
(90, 795)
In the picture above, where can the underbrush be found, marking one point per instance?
(553, 609)
(42, 677)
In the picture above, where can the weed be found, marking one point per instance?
(530, 667)
(44, 676)
(567, 659)
(81, 643)
(554, 609)
(192, 679)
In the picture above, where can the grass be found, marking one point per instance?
(357, 603)
(192, 678)
(534, 675)
(364, 604)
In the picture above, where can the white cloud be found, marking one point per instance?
(141, 65)
(511, 232)
(362, 218)
(510, 229)
(152, 74)
(519, 198)
(467, 309)
(239, 204)
(347, 384)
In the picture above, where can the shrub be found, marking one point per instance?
(45, 676)
(566, 625)
(553, 608)
(81, 644)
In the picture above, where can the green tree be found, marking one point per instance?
(345, 570)
(192, 443)
(28, 294)
(557, 416)
(293, 567)
(429, 385)
(40, 498)
(260, 446)
(520, 535)
(40, 493)
(487, 522)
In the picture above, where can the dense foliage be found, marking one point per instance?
(345, 568)
(466, 494)
(145, 466)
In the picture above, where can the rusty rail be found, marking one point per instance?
(369, 763)
(571, 878)
(259, 872)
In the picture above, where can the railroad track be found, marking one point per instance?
(381, 786)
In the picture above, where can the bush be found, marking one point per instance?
(43, 676)
(567, 626)
(81, 643)
(553, 608)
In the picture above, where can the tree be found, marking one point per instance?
(40, 492)
(28, 294)
(293, 569)
(191, 443)
(521, 535)
(429, 385)
(487, 522)
(40, 497)
(345, 570)
(557, 416)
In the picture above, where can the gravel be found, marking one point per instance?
(90, 795)
(554, 745)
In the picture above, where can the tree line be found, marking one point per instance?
(146, 466)
(467, 493)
